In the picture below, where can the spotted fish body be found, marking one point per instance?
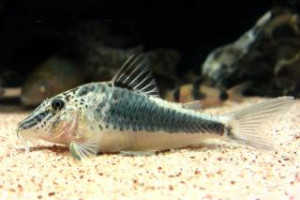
(122, 113)
(126, 115)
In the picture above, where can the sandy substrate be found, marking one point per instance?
(225, 171)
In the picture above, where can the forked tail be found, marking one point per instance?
(242, 125)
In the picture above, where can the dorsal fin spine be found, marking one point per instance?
(138, 85)
(138, 76)
(145, 87)
(135, 75)
(115, 78)
(133, 71)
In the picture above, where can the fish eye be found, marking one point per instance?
(57, 104)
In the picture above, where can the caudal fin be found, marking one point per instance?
(242, 126)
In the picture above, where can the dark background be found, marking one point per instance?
(29, 28)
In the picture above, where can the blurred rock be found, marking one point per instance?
(164, 62)
(224, 61)
(53, 76)
(92, 53)
(267, 55)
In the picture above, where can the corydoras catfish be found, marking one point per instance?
(52, 77)
(126, 115)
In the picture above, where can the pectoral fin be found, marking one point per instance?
(80, 151)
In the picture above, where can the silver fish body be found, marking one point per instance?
(125, 114)
(125, 120)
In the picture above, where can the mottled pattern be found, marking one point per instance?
(109, 107)
(34, 119)
(136, 112)
(85, 90)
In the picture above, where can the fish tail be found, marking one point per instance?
(242, 126)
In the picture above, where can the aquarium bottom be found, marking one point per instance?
(222, 171)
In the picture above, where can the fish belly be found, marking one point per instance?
(151, 141)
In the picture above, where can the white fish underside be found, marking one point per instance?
(150, 141)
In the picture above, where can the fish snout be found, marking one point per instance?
(18, 131)
(20, 136)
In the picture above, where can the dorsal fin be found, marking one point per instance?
(136, 75)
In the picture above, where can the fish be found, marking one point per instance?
(60, 72)
(90, 52)
(52, 77)
(225, 58)
(272, 44)
(206, 95)
(127, 115)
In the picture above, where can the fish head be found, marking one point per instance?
(54, 120)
